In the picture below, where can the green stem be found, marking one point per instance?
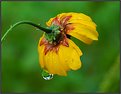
(25, 22)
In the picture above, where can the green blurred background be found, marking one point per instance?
(21, 71)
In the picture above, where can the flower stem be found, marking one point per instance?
(25, 22)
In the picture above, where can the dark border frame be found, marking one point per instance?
(45, 1)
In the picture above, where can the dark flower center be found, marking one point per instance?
(58, 36)
(59, 28)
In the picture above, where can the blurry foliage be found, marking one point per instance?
(111, 78)
(21, 71)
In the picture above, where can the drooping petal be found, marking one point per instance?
(81, 37)
(78, 16)
(84, 31)
(64, 56)
(89, 24)
(75, 62)
(69, 56)
(53, 65)
(48, 61)
(58, 65)
(75, 47)
(75, 59)
(41, 53)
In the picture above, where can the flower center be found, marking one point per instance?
(55, 36)
(53, 40)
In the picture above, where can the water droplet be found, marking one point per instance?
(49, 77)
(46, 75)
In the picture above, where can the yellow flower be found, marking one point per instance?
(57, 53)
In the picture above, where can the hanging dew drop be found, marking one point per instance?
(46, 75)
(49, 77)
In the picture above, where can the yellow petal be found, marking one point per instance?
(79, 16)
(70, 57)
(75, 62)
(75, 16)
(88, 24)
(53, 65)
(76, 53)
(64, 56)
(81, 37)
(58, 66)
(48, 62)
(49, 22)
(41, 53)
(75, 47)
(84, 31)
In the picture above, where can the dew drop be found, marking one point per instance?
(49, 77)
(46, 75)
